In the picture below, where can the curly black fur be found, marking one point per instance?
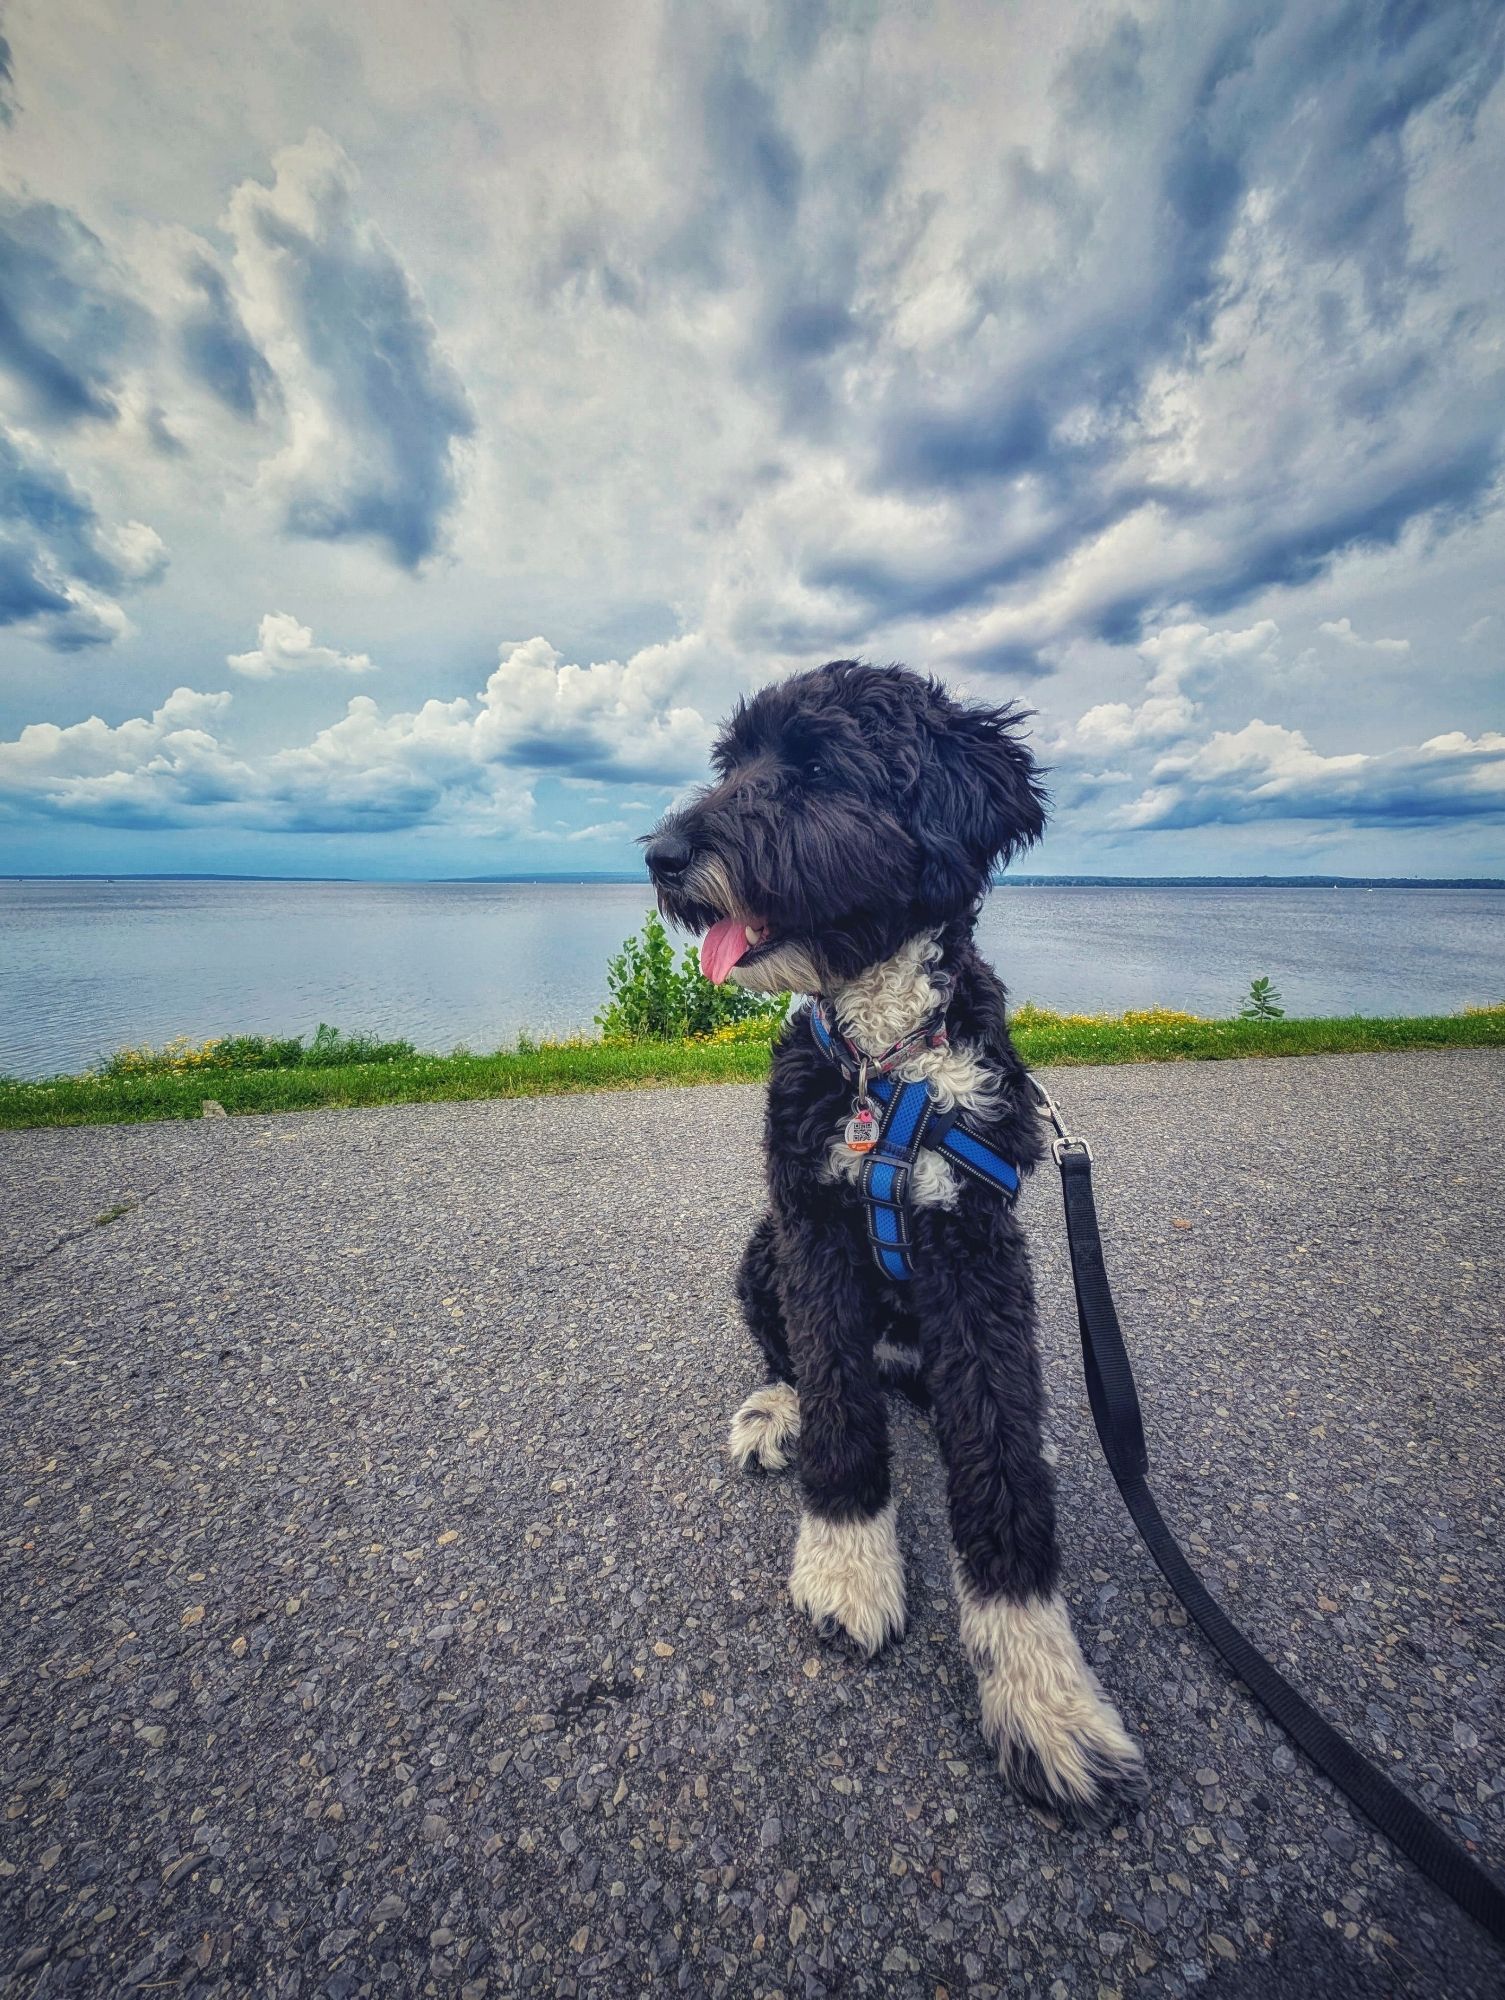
(855, 808)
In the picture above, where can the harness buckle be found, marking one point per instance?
(1064, 1141)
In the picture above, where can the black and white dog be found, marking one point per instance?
(843, 851)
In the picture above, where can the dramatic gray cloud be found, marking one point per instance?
(61, 569)
(374, 409)
(1215, 233)
(7, 83)
(217, 348)
(66, 322)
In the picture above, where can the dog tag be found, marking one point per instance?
(862, 1130)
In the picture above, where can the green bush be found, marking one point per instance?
(656, 999)
(1262, 1002)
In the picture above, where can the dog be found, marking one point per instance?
(843, 851)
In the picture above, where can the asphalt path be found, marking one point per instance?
(382, 1617)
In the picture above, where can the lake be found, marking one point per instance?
(87, 967)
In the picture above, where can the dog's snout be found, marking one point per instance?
(667, 855)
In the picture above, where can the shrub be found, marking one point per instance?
(1262, 1003)
(655, 999)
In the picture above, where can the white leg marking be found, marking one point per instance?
(851, 1571)
(892, 1359)
(765, 1428)
(1042, 1708)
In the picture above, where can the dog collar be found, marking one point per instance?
(856, 1063)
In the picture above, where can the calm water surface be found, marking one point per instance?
(88, 967)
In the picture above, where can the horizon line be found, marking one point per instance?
(601, 878)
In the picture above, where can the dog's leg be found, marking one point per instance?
(766, 1428)
(847, 1572)
(1059, 1740)
(901, 1364)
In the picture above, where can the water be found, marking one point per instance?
(89, 967)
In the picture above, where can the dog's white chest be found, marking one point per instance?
(878, 1008)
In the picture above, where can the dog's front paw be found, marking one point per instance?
(850, 1574)
(766, 1428)
(1059, 1740)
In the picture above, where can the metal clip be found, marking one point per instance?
(1064, 1141)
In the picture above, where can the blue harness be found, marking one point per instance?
(910, 1120)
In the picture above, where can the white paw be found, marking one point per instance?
(766, 1428)
(1059, 1739)
(850, 1574)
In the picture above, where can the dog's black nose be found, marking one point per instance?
(667, 855)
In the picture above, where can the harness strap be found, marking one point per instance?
(911, 1120)
(1116, 1412)
(886, 1171)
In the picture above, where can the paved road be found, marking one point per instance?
(382, 1619)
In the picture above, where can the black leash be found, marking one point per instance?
(1115, 1411)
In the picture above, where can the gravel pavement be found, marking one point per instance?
(382, 1617)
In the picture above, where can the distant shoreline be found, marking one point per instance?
(598, 881)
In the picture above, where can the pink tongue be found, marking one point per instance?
(721, 947)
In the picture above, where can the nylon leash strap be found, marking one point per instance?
(1120, 1427)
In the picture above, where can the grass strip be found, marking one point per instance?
(1044, 1040)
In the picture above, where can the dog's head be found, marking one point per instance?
(853, 806)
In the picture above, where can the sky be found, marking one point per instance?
(417, 425)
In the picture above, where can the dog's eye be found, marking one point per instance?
(804, 756)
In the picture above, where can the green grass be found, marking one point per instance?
(252, 1074)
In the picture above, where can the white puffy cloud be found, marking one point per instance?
(1181, 657)
(164, 769)
(1342, 630)
(468, 761)
(1265, 771)
(283, 646)
(613, 719)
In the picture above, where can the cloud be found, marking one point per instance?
(67, 321)
(1161, 323)
(374, 410)
(467, 761)
(1264, 771)
(168, 769)
(218, 350)
(368, 773)
(1342, 630)
(1181, 656)
(61, 568)
(7, 83)
(609, 829)
(1207, 328)
(612, 720)
(283, 646)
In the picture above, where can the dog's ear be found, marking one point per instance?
(979, 801)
